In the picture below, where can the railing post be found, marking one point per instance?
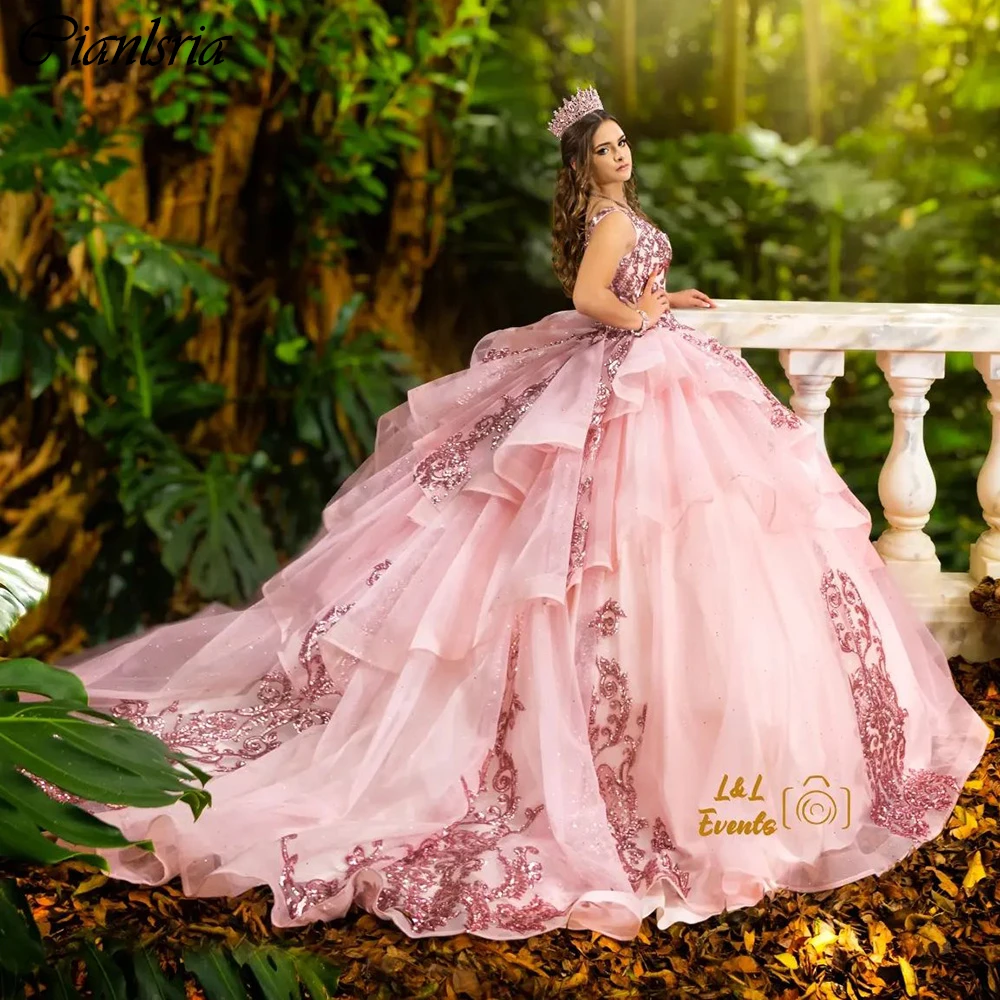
(984, 553)
(810, 374)
(906, 483)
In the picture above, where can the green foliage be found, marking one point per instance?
(22, 586)
(197, 510)
(118, 970)
(52, 149)
(91, 755)
(331, 398)
(54, 740)
(354, 374)
(363, 71)
(142, 394)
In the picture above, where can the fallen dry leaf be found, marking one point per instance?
(975, 873)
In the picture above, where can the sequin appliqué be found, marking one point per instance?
(448, 467)
(900, 797)
(780, 415)
(318, 681)
(227, 739)
(615, 741)
(621, 344)
(501, 353)
(432, 882)
(653, 250)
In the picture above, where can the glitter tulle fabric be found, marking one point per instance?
(596, 633)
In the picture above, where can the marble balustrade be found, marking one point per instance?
(910, 343)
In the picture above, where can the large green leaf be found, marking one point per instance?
(22, 586)
(104, 976)
(21, 840)
(273, 968)
(216, 973)
(64, 820)
(12, 986)
(208, 523)
(21, 950)
(319, 977)
(43, 679)
(152, 983)
(95, 756)
(89, 754)
(60, 981)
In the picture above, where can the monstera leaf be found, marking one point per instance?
(22, 586)
(117, 972)
(206, 519)
(58, 738)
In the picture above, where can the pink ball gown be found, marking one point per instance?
(596, 633)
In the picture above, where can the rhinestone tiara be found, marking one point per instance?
(573, 109)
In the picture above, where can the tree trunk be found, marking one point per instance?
(629, 58)
(812, 25)
(731, 65)
(417, 226)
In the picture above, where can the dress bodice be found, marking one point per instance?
(652, 251)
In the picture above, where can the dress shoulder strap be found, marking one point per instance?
(602, 212)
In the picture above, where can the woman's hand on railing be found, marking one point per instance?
(690, 298)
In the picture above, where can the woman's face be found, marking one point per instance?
(611, 155)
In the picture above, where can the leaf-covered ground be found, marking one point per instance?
(930, 927)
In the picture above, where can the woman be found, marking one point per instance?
(597, 632)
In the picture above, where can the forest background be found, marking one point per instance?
(215, 278)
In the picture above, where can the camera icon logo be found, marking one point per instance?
(815, 805)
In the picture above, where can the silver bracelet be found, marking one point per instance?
(645, 323)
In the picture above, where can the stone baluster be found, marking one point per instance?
(984, 554)
(906, 485)
(810, 374)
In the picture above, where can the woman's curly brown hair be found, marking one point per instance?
(573, 190)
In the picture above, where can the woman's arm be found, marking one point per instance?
(613, 237)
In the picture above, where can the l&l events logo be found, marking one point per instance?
(815, 802)
(41, 40)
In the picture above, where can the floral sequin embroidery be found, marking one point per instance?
(621, 344)
(578, 540)
(318, 683)
(500, 353)
(615, 741)
(434, 881)
(781, 415)
(448, 467)
(226, 740)
(900, 797)
(653, 249)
